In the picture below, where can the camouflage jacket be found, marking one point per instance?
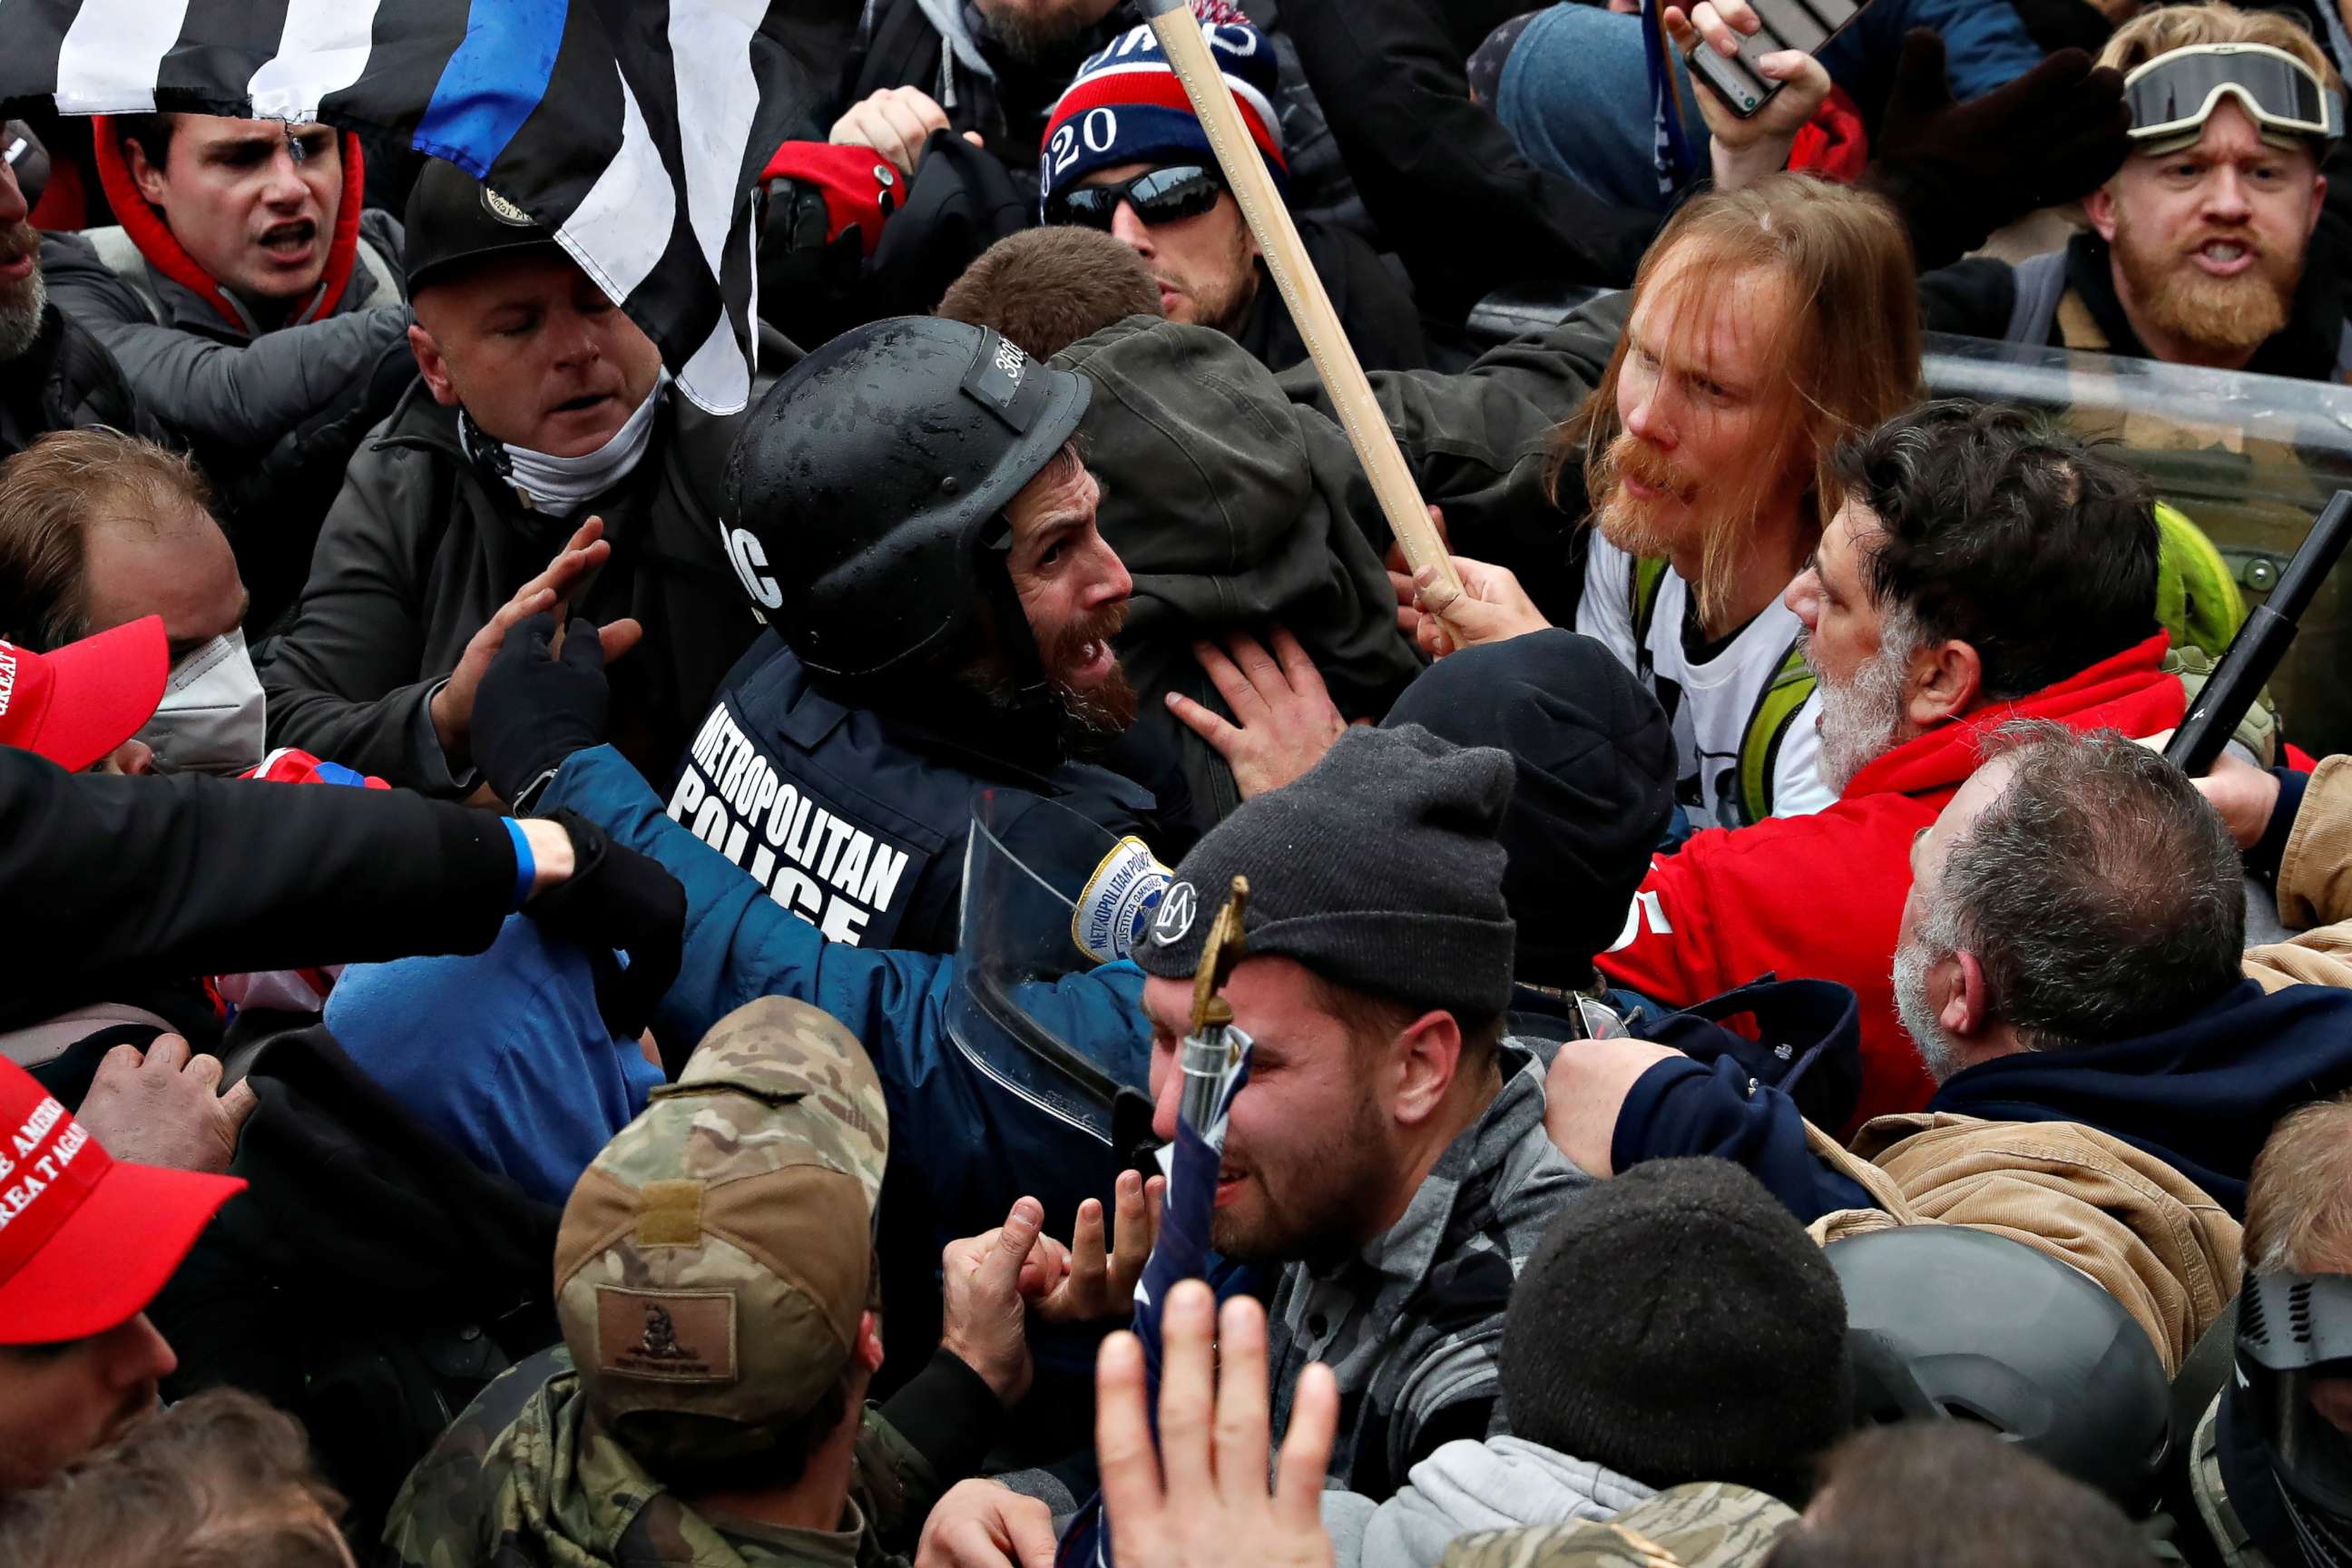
(522, 1479)
(1707, 1524)
(1412, 1323)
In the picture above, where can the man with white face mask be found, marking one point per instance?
(99, 530)
(541, 460)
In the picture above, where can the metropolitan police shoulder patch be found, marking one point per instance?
(1120, 899)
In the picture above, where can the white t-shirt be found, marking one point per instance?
(1710, 703)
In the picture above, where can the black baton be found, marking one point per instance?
(2255, 652)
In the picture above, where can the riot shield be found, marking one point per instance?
(2250, 459)
(1026, 930)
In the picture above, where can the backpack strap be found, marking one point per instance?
(1777, 706)
(2039, 279)
(124, 258)
(1649, 576)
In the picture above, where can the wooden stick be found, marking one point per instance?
(1179, 31)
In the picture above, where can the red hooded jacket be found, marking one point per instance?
(1821, 896)
(162, 247)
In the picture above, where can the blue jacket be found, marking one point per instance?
(858, 818)
(501, 1053)
(975, 1141)
(2201, 1096)
(1986, 46)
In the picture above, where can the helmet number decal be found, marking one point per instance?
(751, 562)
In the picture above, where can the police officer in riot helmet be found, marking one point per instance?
(907, 507)
(910, 514)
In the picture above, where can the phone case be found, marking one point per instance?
(1787, 25)
(1806, 25)
(1739, 86)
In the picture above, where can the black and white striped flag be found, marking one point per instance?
(635, 129)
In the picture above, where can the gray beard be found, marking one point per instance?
(1859, 717)
(20, 315)
(1917, 1015)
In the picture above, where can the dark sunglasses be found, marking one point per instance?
(1158, 196)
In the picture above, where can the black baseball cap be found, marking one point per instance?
(454, 217)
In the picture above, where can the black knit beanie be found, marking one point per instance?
(1377, 868)
(1676, 1324)
(1595, 761)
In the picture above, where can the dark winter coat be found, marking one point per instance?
(65, 381)
(1234, 511)
(271, 416)
(964, 198)
(423, 546)
(140, 880)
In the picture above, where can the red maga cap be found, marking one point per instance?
(76, 705)
(85, 1241)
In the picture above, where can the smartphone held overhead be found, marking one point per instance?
(1805, 26)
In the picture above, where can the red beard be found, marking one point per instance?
(1629, 524)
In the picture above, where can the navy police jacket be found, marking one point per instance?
(856, 819)
(973, 1143)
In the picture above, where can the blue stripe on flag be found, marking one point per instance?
(492, 82)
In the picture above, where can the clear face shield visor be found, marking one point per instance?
(1027, 931)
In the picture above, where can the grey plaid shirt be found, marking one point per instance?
(1412, 1324)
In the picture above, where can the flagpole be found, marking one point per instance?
(1179, 32)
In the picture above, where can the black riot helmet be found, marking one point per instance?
(1945, 1321)
(866, 495)
(2292, 1331)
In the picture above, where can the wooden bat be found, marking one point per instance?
(1179, 32)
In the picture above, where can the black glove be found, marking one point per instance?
(616, 898)
(532, 708)
(810, 285)
(1959, 171)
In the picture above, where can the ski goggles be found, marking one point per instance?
(1158, 196)
(2173, 95)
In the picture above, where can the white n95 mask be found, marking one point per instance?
(212, 718)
